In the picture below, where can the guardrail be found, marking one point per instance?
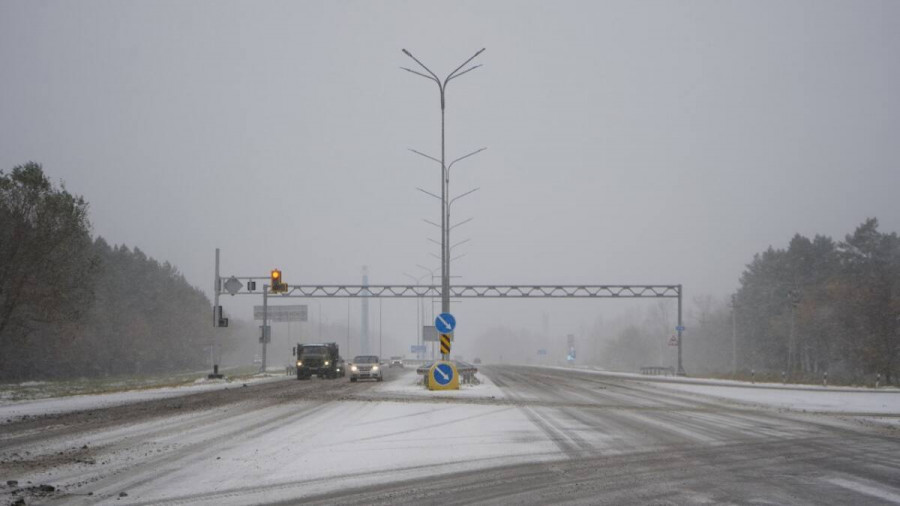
(658, 371)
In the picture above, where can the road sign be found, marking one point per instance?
(443, 376)
(445, 323)
(673, 341)
(414, 348)
(445, 344)
(429, 334)
(680, 328)
(293, 313)
(233, 286)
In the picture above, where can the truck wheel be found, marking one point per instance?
(353, 380)
(381, 378)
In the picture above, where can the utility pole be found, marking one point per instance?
(265, 327)
(445, 169)
(680, 329)
(793, 299)
(733, 337)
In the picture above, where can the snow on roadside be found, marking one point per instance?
(711, 381)
(18, 409)
(883, 405)
(882, 402)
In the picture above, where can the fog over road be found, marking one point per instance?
(527, 435)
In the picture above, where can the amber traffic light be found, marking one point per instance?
(276, 284)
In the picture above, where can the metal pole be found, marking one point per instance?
(418, 326)
(217, 286)
(380, 351)
(348, 327)
(445, 218)
(265, 327)
(680, 326)
(790, 353)
(445, 173)
(733, 338)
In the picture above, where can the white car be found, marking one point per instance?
(366, 367)
(396, 362)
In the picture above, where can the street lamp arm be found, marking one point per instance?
(454, 199)
(461, 223)
(460, 242)
(438, 81)
(431, 223)
(457, 257)
(462, 73)
(420, 74)
(452, 74)
(434, 241)
(473, 153)
(427, 193)
(426, 156)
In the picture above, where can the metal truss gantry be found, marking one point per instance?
(407, 291)
(499, 292)
(485, 291)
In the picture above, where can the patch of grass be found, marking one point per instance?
(33, 390)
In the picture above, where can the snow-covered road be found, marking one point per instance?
(524, 435)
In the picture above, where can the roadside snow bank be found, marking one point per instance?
(849, 400)
(880, 402)
(14, 410)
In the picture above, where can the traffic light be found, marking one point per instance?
(277, 284)
(276, 280)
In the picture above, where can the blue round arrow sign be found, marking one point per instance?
(445, 323)
(443, 374)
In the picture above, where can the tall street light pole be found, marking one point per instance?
(733, 337)
(445, 174)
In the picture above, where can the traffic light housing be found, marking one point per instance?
(277, 283)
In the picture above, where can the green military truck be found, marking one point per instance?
(322, 360)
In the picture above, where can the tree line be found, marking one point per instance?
(818, 306)
(75, 306)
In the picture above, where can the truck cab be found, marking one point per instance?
(322, 360)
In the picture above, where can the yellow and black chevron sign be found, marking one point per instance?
(445, 344)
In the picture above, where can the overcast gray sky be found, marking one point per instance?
(628, 142)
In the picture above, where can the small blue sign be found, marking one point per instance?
(445, 323)
(542, 351)
(443, 374)
(413, 348)
(679, 328)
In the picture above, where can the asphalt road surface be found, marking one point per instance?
(547, 436)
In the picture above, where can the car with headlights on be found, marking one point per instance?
(366, 367)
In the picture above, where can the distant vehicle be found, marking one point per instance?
(323, 360)
(366, 367)
(477, 360)
(396, 362)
